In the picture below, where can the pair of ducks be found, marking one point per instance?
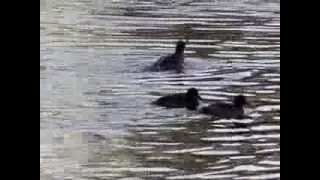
(190, 99)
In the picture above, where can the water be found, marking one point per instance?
(96, 121)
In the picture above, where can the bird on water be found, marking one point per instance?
(172, 61)
(189, 100)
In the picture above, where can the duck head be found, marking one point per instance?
(192, 99)
(180, 47)
(240, 101)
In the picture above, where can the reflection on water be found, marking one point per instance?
(96, 120)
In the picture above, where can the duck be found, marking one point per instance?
(189, 100)
(171, 61)
(234, 110)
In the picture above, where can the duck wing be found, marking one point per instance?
(216, 108)
(222, 110)
(169, 62)
(172, 101)
(162, 62)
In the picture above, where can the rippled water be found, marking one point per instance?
(96, 120)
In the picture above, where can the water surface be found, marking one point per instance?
(96, 120)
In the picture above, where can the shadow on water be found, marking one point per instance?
(96, 120)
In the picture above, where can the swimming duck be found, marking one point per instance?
(172, 61)
(226, 110)
(187, 100)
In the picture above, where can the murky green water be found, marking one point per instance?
(91, 83)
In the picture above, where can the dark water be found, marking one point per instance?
(96, 121)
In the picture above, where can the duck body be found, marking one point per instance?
(180, 100)
(172, 101)
(226, 110)
(173, 61)
(223, 110)
(169, 62)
